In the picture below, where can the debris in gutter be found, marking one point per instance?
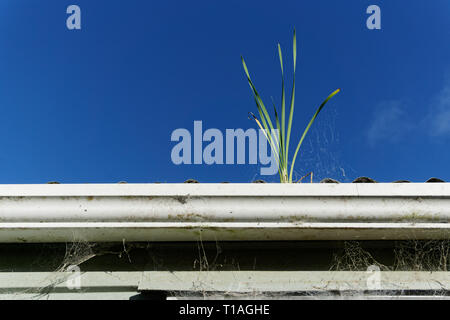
(364, 180)
(328, 180)
(259, 181)
(191, 181)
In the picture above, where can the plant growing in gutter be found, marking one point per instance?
(279, 141)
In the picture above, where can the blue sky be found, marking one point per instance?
(99, 104)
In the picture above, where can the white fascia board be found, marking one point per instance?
(293, 281)
(223, 212)
(223, 284)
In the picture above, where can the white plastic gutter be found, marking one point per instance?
(209, 212)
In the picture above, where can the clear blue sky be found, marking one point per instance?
(99, 104)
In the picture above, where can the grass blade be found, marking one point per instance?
(281, 157)
(283, 109)
(307, 129)
(265, 118)
(291, 112)
(272, 146)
